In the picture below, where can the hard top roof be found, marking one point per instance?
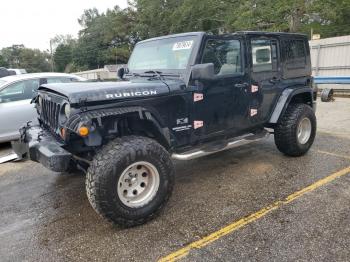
(263, 33)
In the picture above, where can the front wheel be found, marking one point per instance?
(296, 131)
(130, 180)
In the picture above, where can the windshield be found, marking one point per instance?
(162, 54)
(2, 83)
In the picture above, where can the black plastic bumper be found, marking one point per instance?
(40, 146)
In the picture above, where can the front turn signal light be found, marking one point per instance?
(83, 131)
(63, 133)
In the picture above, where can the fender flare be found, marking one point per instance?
(284, 100)
(143, 113)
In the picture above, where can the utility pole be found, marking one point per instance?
(51, 55)
(311, 33)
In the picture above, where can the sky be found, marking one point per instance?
(34, 22)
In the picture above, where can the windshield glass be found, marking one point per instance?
(163, 54)
(2, 83)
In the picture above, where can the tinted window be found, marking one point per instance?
(19, 91)
(224, 54)
(295, 53)
(264, 55)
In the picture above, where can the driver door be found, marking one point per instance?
(222, 104)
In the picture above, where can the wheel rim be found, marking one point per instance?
(138, 184)
(304, 130)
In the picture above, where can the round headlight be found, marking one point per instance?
(67, 110)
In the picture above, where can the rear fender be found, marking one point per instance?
(287, 97)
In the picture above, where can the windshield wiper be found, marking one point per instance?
(152, 74)
(133, 74)
(156, 74)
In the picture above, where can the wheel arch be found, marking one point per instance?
(137, 118)
(289, 96)
(150, 126)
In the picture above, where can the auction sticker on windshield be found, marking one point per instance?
(183, 45)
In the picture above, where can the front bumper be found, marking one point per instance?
(40, 146)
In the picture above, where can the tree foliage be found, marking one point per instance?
(62, 57)
(3, 62)
(33, 60)
(109, 37)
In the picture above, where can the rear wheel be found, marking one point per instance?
(295, 132)
(130, 180)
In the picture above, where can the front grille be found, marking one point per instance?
(50, 113)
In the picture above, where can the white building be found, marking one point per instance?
(108, 72)
(331, 56)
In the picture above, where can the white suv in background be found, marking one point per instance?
(18, 71)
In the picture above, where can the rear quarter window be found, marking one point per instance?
(295, 54)
(296, 57)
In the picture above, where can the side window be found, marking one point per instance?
(19, 91)
(264, 55)
(224, 54)
(295, 53)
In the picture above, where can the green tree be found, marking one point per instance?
(196, 15)
(110, 36)
(63, 56)
(33, 60)
(3, 62)
(105, 38)
(330, 18)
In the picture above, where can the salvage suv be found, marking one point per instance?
(181, 97)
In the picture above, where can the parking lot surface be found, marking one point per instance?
(46, 216)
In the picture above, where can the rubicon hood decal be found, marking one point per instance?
(102, 91)
(131, 94)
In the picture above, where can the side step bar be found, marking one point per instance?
(247, 139)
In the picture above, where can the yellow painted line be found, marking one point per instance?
(251, 218)
(333, 154)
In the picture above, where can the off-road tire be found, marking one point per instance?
(108, 165)
(285, 132)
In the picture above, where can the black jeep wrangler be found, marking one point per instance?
(182, 96)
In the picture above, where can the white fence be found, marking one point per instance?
(106, 73)
(331, 57)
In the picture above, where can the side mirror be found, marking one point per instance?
(121, 72)
(203, 72)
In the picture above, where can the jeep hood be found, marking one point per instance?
(105, 91)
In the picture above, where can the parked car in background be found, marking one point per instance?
(18, 71)
(5, 72)
(16, 92)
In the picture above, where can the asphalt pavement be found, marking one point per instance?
(45, 216)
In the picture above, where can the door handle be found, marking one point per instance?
(274, 80)
(244, 85)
